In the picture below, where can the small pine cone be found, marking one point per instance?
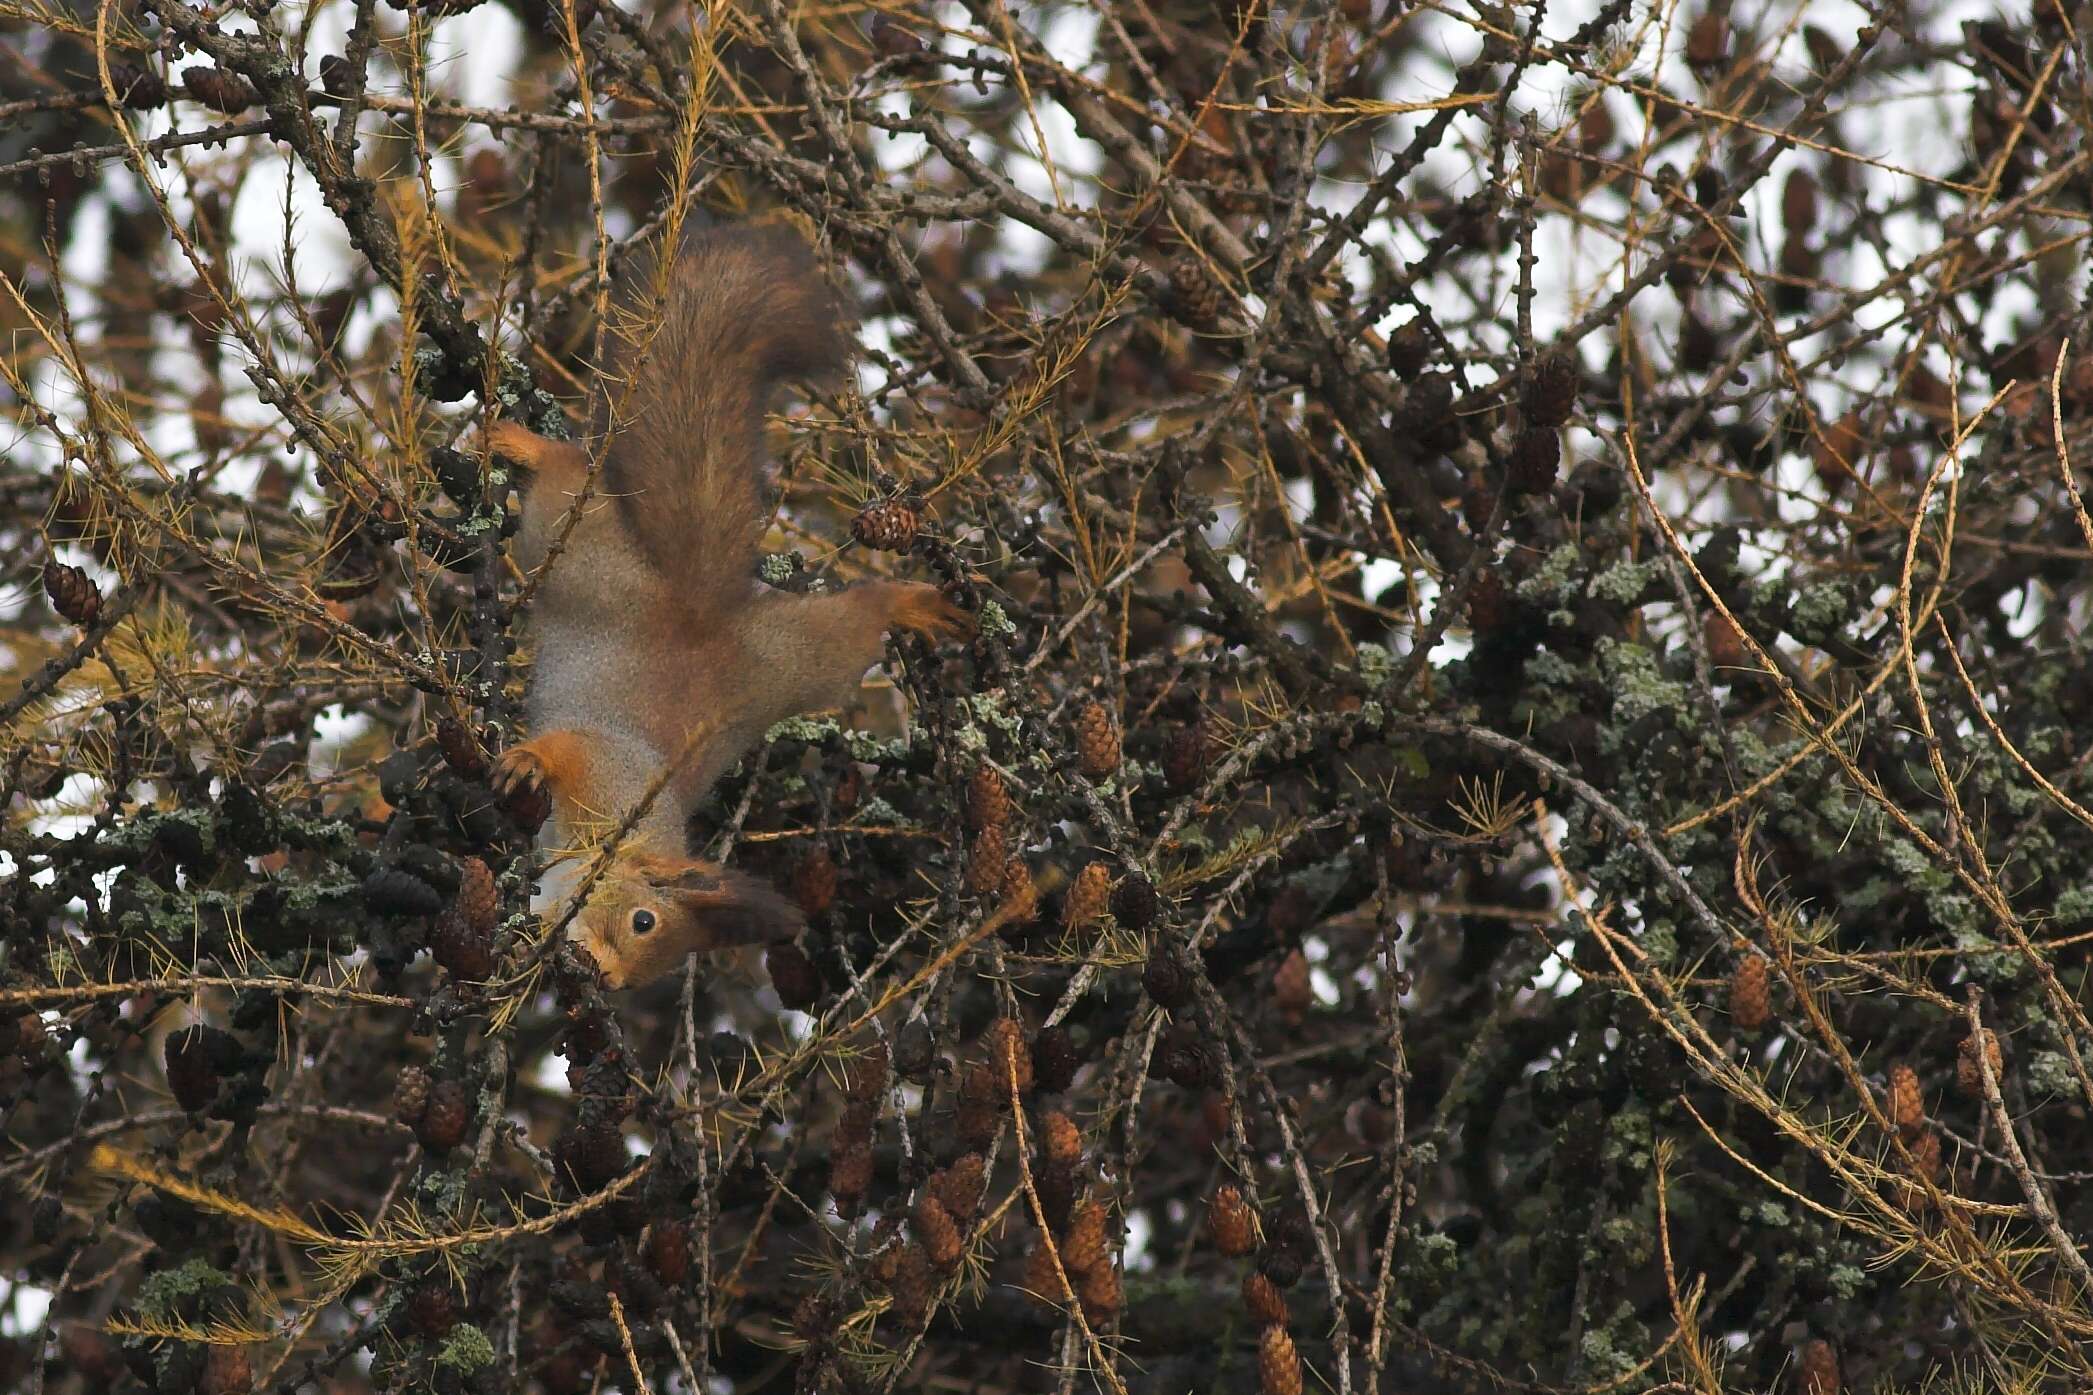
(793, 975)
(1751, 998)
(1232, 1221)
(1189, 1059)
(1726, 647)
(1551, 395)
(1907, 1106)
(1263, 1300)
(959, 1187)
(981, 1085)
(1135, 903)
(220, 90)
(478, 902)
(1409, 351)
(463, 941)
(1292, 992)
(1535, 458)
(1427, 409)
(30, 1036)
(1841, 447)
(913, 1286)
(988, 799)
(1101, 1295)
(1089, 897)
(1184, 756)
(227, 1370)
(865, 1075)
(1281, 1264)
(592, 1155)
(1820, 1368)
(1087, 1246)
(887, 526)
(814, 1319)
(976, 1122)
(1008, 1054)
(988, 860)
(1018, 899)
(1967, 1075)
(1166, 979)
(1097, 740)
(850, 1169)
(194, 1057)
(1708, 40)
(668, 1252)
(442, 1124)
(72, 594)
(139, 89)
(1057, 1193)
(1278, 1364)
(432, 1308)
(1925, 1155)
(849, 791)
(1198, 293)
(461, 752)
(410, 1095)
(1042, 1280)
(891, 39)
(1060, 1141)
(937, 1234)
(814, 883)
(389, 890)
(1799, 203)
(1291, 913)
(1054, 1059)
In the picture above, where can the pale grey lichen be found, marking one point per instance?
(2049, 1073)
(993, 620)
(1622, 582)
(811, 730)
(1638, 686)
(1819, 610)
(466, 1349)
(1554, 579)
(1376, 665)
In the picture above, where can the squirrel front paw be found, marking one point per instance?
(520, 770)
(924, 610)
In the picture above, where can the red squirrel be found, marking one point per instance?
(652, 637)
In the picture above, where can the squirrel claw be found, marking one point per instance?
(929, 612)
(519, 768)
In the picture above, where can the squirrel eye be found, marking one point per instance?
(642, 922)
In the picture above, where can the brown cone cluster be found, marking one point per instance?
(1085, 1245)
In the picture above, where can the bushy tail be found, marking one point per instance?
(745, 309)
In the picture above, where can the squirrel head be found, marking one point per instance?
(648, 911)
